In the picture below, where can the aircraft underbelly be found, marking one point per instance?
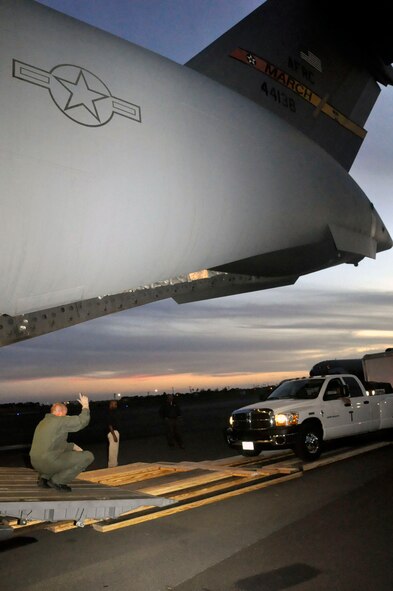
(96, 239)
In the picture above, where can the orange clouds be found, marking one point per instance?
(102, 385)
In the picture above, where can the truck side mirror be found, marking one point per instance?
(345, 390)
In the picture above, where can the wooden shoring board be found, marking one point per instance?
(206, 489)
(21, 484)
(171, 488)
(82, 491)
(104, 527)
(259, 465)
(268, 457)
(217, 485)
(127, 474)
(136, 466)
(286, 466)
(177, 490)
(199, 495)
(184, 484)
(211, 467)
(14, 476)
(212, 488)
(254, 467)
(256, 470)
(282, 464)
(15, 525)
(6, 474)
(61, 526)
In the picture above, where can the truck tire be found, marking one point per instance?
(309, 444)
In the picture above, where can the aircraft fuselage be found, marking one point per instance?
(120, 168)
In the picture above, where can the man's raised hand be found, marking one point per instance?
(83, 400)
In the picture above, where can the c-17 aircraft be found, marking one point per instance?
(126, 178)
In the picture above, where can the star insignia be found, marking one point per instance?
(81, 95)
(77, 92)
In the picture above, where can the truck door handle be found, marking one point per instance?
(366, 402)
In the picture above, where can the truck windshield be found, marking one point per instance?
(300, 389)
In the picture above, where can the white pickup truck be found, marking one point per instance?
(300, 414)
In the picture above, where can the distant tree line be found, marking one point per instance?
(145, 400)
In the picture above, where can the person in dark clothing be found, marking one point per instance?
(170, 413)
(56, 460)
(113, 434)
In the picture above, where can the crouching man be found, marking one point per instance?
(56, 460)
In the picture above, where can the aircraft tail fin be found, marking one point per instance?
(310, 64)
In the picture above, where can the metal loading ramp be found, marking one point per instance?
(22, 499)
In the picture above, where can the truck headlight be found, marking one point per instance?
(286, 419)
(231, 420)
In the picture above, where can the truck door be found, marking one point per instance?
(364, 418)
(337, 413)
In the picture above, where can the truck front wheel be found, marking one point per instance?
(309, 444)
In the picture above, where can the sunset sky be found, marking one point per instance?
(235, 341)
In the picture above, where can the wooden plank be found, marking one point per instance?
(15, 525)
(201, 481)
(126, 480)
(257, 471)
(203, 489)
(118, 471)
(128, 476)
(263, 457)
(210, 466)
(210, 488)
(61, 526)
(106, 527)
(167, 488)
(66, 525)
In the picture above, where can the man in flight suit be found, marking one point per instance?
(56, 460)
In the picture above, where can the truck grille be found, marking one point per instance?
(257, 418)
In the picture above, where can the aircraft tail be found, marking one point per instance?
(309, 63)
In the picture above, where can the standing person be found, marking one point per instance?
(170, 412)
(57, 460)
(113, 434)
